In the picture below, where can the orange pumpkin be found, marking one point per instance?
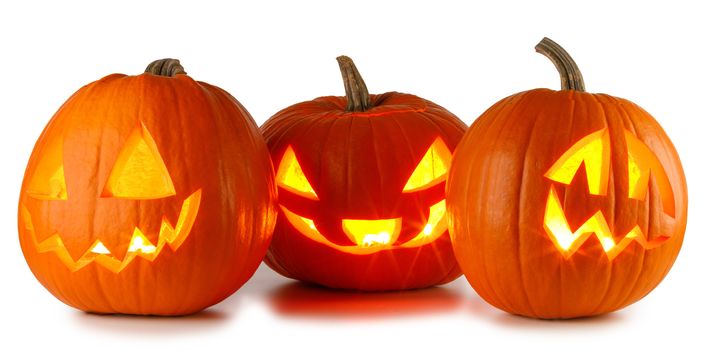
(361, 182)
(563, 203)
(148, 194)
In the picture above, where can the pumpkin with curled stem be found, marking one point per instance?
(361, 189)
(149, 194)
(565, 204)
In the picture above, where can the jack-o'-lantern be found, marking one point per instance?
(148, 194)
(564, 204)
(361, 189)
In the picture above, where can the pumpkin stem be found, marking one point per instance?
(356, 90)
(167, 67)
(571, 78)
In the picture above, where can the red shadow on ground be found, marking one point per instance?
(301, 299)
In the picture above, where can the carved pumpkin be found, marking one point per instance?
(361, 189)
(148, 194)
(563, 203)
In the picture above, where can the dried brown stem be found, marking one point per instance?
(167, 67)
(356, 90)
(571, 78)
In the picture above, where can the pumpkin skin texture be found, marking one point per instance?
(501, 182)
(150, 194)
(358, 163)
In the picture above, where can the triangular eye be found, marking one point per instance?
(291, 177)
(594, 151)
(48, 181)
(432, 169)
(139, 172)
(642, 163)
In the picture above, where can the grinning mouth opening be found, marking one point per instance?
(139, 245)
(568, 242)
(371, 236)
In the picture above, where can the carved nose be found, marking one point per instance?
(372, 233)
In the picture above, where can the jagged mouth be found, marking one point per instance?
(371, 236)
(139, 245)
(568, 242)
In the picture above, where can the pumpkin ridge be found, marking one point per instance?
(493, 299)
(520, 260)
(610, 179)
(495, 129)
(635, 285)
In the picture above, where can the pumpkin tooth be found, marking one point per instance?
(138, 245)
(99, 248)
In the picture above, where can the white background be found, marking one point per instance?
(270, 55)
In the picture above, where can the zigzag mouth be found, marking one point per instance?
(139, 245)
(568, 242)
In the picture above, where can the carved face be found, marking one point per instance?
(594, 151)
(361, 194)
(147, 194)
(565, 204)
(358, 235)
(138, 176)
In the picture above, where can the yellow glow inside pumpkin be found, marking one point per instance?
(371, 236)
(139, 171)
(568, 242)
(634, 176)
(436, 213)
(370, 233)
(594, 151)
(99, 248)
(309, 223)
(291, 177)
(436, 224)
(432, 168)
(139, 244)
(643, 163)
(48, 181)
